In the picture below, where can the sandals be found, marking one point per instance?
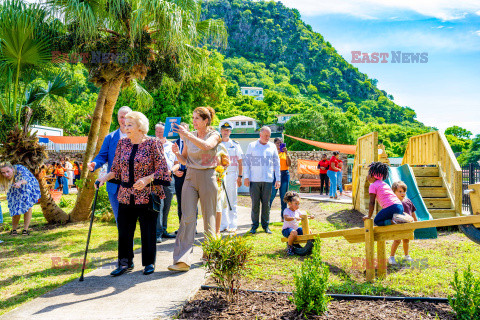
(25, 232)
(14, 233)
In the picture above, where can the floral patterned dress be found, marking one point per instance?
(135, 161)
(22, 199)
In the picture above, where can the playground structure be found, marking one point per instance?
(433, 177)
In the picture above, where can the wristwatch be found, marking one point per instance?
(240, 176)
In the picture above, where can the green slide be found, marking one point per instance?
(405, 174)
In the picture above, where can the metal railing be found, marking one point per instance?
(470, 175)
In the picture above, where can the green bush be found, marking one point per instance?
(103, 209)
(64, 203)
(466, 298)
(226, 261)
(311, 283)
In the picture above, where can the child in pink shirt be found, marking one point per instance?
(382, 192)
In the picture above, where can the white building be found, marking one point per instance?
(241, 124)
(46, 131)
(283, 118)
(256, 92)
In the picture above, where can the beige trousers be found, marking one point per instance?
(199, 184)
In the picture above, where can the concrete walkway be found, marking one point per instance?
(346, 198)
(130, 296)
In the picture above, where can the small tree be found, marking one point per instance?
(226, 261)
(311, 283)
(466, 298)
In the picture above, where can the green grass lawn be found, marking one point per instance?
(28, 263)
(429, 275)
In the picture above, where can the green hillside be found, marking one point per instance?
(289, 57)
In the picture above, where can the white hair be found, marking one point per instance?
(265, 128)
(140, 119)
(159, 125)
(125, 109)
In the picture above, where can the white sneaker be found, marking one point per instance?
(408, 258)
(402, 218)
(392, 261)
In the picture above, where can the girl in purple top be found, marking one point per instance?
(382, 192)
(291, 216)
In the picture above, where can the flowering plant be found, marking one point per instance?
(220, 169)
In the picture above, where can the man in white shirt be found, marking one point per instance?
(165, 204)
(260, 165)
(233, 178)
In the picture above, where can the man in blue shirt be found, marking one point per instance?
(260, 165)
(106, 155)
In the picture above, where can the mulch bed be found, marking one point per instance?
(208, 304)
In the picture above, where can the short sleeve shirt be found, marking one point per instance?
(408, 206)
(384, 193)
(291, 214)
(336, 161)
(235, 153)
(202, 159)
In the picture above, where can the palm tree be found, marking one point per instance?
(25, 31)
(125, 40)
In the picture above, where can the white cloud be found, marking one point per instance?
(373, 9)
(477, 32)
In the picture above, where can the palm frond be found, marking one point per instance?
(213, 31)
(143, 99)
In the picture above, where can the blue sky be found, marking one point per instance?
(445, 91)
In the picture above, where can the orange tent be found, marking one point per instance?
(343, 148)
(66, 139)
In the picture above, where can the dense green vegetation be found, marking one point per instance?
(269, 46)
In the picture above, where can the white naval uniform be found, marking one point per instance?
(229, 217)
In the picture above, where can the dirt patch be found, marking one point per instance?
(340, 215)
(211, 305)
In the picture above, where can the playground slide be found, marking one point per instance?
(405, 174)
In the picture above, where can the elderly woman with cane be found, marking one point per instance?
(200, 156)
(23, 191)
(140, 168)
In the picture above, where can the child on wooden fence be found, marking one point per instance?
(381, 191)
(400, 190)
(291, 216)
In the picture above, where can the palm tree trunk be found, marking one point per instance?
(51, 212)
(102, 120)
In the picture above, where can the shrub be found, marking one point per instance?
(226, 261)
(103, 209)
(466, 298)
(311, 283)
(64, 203)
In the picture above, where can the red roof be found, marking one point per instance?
(66, 139)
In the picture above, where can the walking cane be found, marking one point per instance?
(226, 195)
(97, 183)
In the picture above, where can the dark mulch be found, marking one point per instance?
(210, 305)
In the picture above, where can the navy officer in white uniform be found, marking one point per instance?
(233, 178)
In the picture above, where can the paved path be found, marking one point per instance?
(345, 198)
(130, 296)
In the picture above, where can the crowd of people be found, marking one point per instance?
(64, 173)
(202, 167)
